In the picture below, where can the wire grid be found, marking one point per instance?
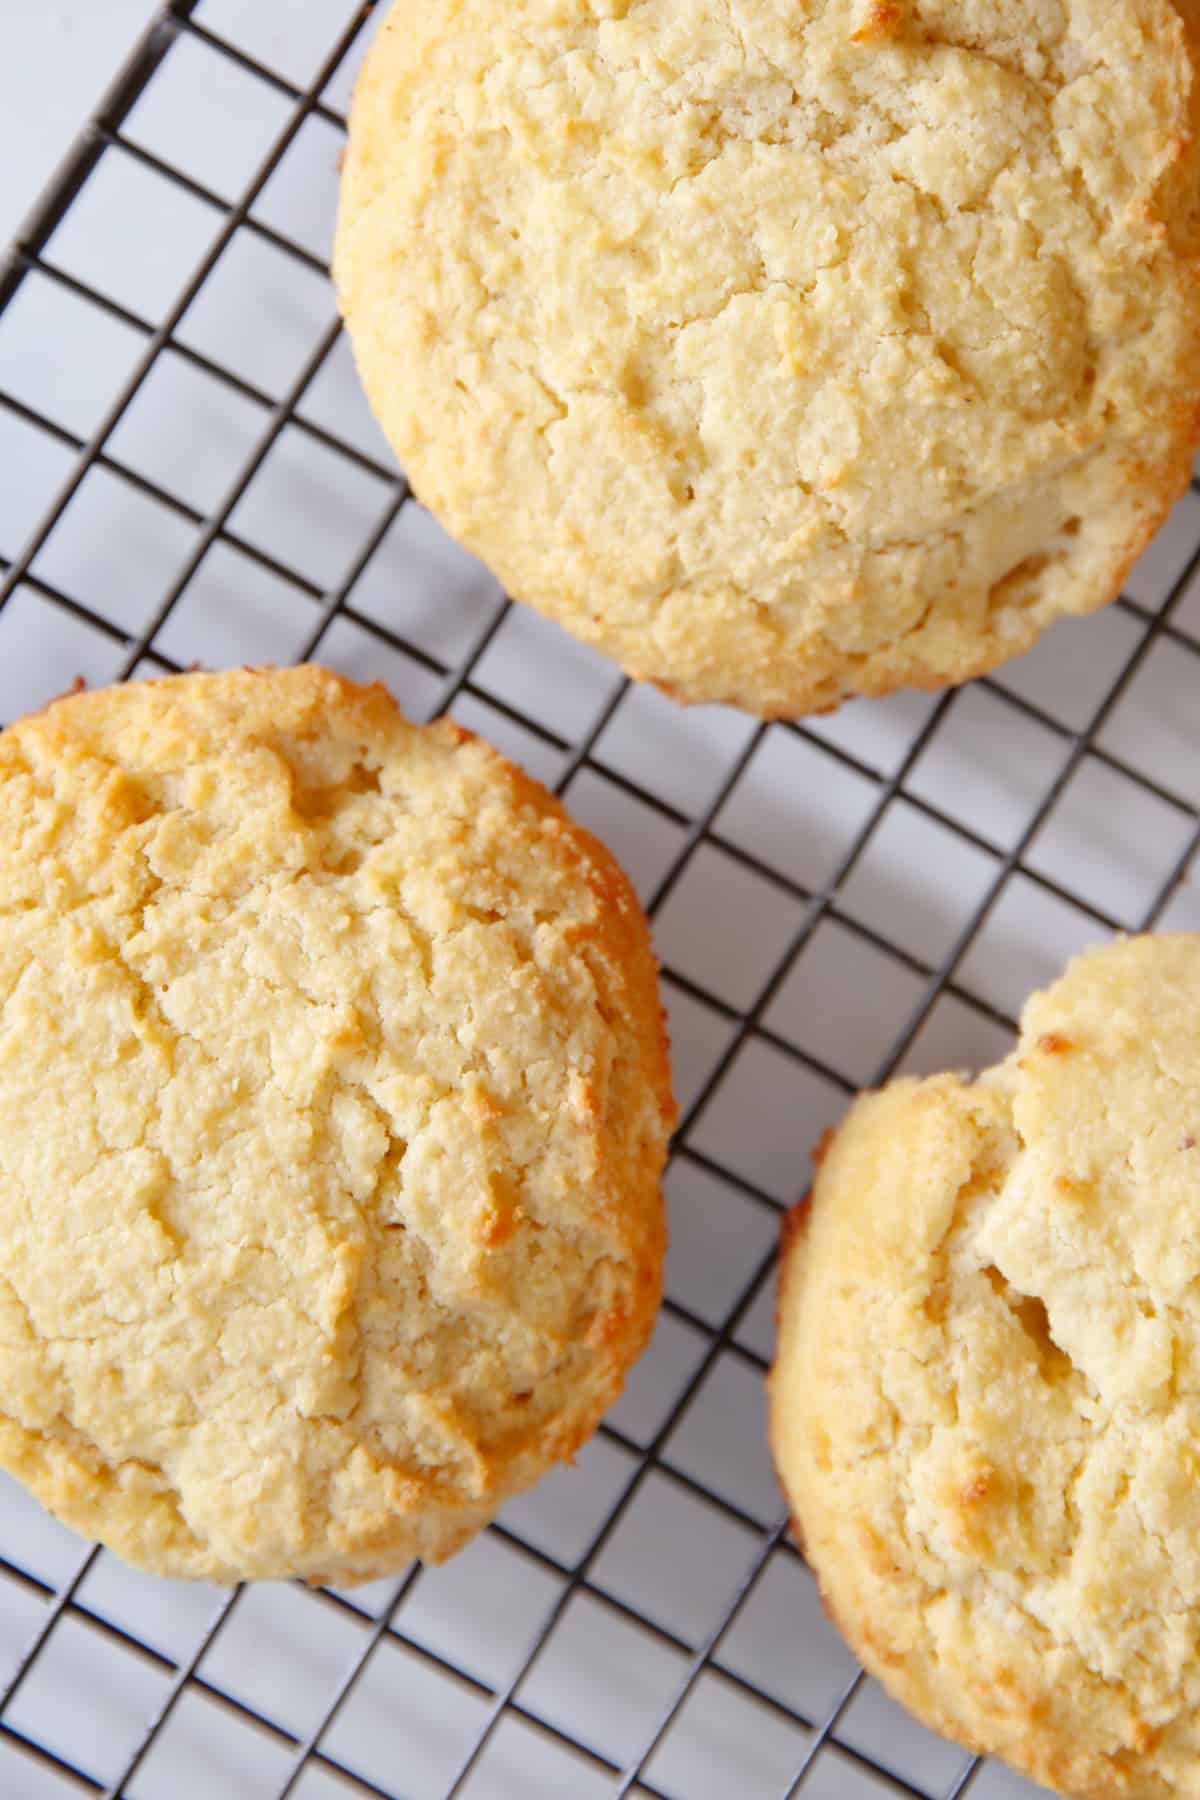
(832, 902)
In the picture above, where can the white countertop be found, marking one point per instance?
(57, 62)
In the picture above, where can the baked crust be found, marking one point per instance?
(335, 1097)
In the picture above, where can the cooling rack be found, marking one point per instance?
(189, 474)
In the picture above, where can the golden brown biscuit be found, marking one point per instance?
(785, 349)
(334, 1099)
(985, 1406)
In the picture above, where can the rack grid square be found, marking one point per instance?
(870, 891)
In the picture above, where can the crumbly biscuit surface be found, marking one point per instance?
(986, 1399)
(333, 1102)
(785, 349)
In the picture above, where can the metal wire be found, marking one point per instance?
(104, 136)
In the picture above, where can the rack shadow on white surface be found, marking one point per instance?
(191, 475)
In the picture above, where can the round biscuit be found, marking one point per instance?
(786, 350)
(335, 1097)
(985, 1404)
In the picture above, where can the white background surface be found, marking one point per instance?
(56, 60)
(812, 847)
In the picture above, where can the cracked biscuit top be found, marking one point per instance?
(784, 349)
(985, 1408)
(333, 1104)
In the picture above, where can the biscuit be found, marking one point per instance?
(335, 1096)
(786, 350)
(985, 1405)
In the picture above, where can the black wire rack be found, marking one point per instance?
(933, 857)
